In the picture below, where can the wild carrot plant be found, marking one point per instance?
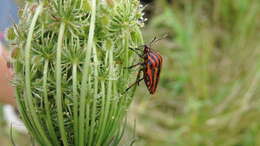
(69, 59)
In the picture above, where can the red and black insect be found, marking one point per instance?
(150, 67)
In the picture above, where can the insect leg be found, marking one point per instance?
(135, 50)
(130, 67)
(138, 80)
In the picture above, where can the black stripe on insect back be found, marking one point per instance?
(158, 58)
(158, 76)
(153, 58)
(154, 79)
(157, 69)
(149, 72)
(153, 69)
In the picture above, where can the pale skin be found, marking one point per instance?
(7, 95)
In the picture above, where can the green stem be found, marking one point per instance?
(113, 114)
(87, 119)
(28, 123)
(47, 106)
(58, 86)
(75, 109)
(93, 116)
(86, 74)
(108, 100)
(28, 91)
(102, 114)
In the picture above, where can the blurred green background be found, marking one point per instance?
(210, 83)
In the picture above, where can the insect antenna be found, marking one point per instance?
(155, 39)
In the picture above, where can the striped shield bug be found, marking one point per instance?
(150, 67)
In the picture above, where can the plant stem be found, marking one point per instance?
(58, 86)
(102, 115)
(75, 109)
(21, 107)
(108, 100)
(47, 106)
(28, 91)
(93, 116)
(86, 73)
(113, 113)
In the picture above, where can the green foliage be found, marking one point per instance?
(70, 69)
(209, 89)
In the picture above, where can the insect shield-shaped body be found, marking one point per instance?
(150, 67)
